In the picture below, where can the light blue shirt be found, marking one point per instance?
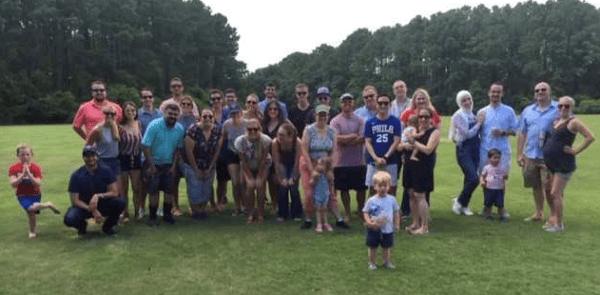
(397, 108)
(385, 208)
(536, 124)
(364, 113)
(263, 104)
(501, 117)
(145, 117)
(163, 141)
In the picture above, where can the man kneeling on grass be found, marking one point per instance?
(93, 190)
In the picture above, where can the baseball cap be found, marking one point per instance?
(234, 108)
(323, 91)
(88, 149)
(346, 96)
(322, 108)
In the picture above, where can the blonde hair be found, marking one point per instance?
(382, 176)
(24, 146)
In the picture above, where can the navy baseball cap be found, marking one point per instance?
(89, 149)
(234, 108)
(323, 91)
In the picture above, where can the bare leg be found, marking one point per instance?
(557, 193)
(124, 192)
(538, 197)
(250, 199)
(32, 222)
(234, 172)
(273, 191)
(423, 214)
(386, 254)
(360, 202)
(261, 189)
(135, 176)
(373, 256)
(345, 196)
(221, 193)
(414, 212)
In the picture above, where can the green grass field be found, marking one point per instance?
(223, 255)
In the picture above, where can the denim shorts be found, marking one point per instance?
(111, 163)
(161, 180)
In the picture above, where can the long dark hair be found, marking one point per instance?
(267, 118)
(124, 119)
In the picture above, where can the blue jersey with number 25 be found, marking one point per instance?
(382, 134)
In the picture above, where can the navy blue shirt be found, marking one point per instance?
(87, 184)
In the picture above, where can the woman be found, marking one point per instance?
(253, 149)
(420, 100)
(234, 127)
(186, 119)
(464, 131)
(559, 156)
(271, 123)
(252, 111)
(202, 143)
(106, 138)
(286, 149)
(318, 140)
(130, 158)
(418, 175)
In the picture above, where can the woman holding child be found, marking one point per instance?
(418, 174)
(464, 131)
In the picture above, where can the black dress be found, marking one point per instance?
(555, 157)
(418, 175)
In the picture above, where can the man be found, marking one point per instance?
(176, 87)
(368, 111)
(324, 97)
(216, 98)
(90, 113)
(147, 112)
(230, 99)
(401, 102)
(499, 121)
(271, 95)
(536, 122)
(382, 135)
(302, 113)
(349, 173)
(161, 142)
(93, 190)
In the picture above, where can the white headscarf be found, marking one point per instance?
(459, 96)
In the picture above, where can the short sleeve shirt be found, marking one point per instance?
(86, 183)
(90, 114)
(26, 187)
(320, 145)
(163, 141)
(145, 117)
(204, 148)
(349, 156)
(384, 208)
(382, 134)
(252, 151)
(494, 176)
(537, 124)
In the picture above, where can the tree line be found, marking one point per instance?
(52, 50)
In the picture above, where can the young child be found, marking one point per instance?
(492, 180)
(382, 218)
(25, 178)
(322, 183)
(412, 131)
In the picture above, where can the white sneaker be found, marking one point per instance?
(466, 211)
(159, 212)
(456, 207)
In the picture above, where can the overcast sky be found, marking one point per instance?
(270, 30)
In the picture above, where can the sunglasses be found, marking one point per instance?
(98, 90)
(207, 116)
(301, 93)
(424, 117)
(274, 109)
(110, 114)
(216, 98)
(540, 90)
(383, 103)
(147, 96)
(251, 102)
(253, 129)
(186, 104)
(564, 106)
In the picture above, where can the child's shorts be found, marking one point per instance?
(28, 200)
(494, 197)
(376, 238)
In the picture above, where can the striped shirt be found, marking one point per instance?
(130, 143)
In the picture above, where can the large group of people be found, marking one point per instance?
(267, 152)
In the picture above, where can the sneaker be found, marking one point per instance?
(297, 219)
(372, 266)
(389, 265)
(319, 228)
(169, 219)
(140, 214)
(488, 217)
(328, 227)
(504, 217)
(466, 211)
(456, 207)
(342, 224)
(555, 229)
(306, 225)
(159, 212)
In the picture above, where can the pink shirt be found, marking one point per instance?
(349, 156)
(90, 114)
(494, 176)
(163, 105)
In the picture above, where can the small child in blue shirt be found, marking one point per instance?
(322, 183)
(382, 218)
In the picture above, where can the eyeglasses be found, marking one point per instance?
(424, 117)
(216, 98)
(207, 116)
(565, 106)
(301, 93)
(147, 96)
(251, 102)
(541, 90)
(369, 96)
(383, 103)
(251, 129)
(98, 90)
(110, 114)
(189, 104)
(176, 85)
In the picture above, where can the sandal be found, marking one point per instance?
(250, 220)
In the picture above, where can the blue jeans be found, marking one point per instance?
(282, 197)
(110, 208)
(200, 190)
(467, 156)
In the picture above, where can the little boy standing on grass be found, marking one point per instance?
(382, 218)
(492, 180)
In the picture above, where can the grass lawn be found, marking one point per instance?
(223, 255)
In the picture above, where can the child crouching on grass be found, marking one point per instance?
(492, 180)
(25, 178)
(382, 218)
(322, 183)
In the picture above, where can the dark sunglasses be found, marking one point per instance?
(424, 117)
(251, 102)
(110, 114)
(541, 90)
(98, 90)
(216, 98)
(147, 96)
(383, 103)
(207, 116)
(189, 104)
(176, 85)
(250, 129)
(301, 93)
(565, 106)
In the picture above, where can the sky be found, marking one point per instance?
(270, 30)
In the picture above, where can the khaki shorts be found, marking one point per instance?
(535, 173)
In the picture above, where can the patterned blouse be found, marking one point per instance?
(130, 143)
(320, 146)
(204, 148)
